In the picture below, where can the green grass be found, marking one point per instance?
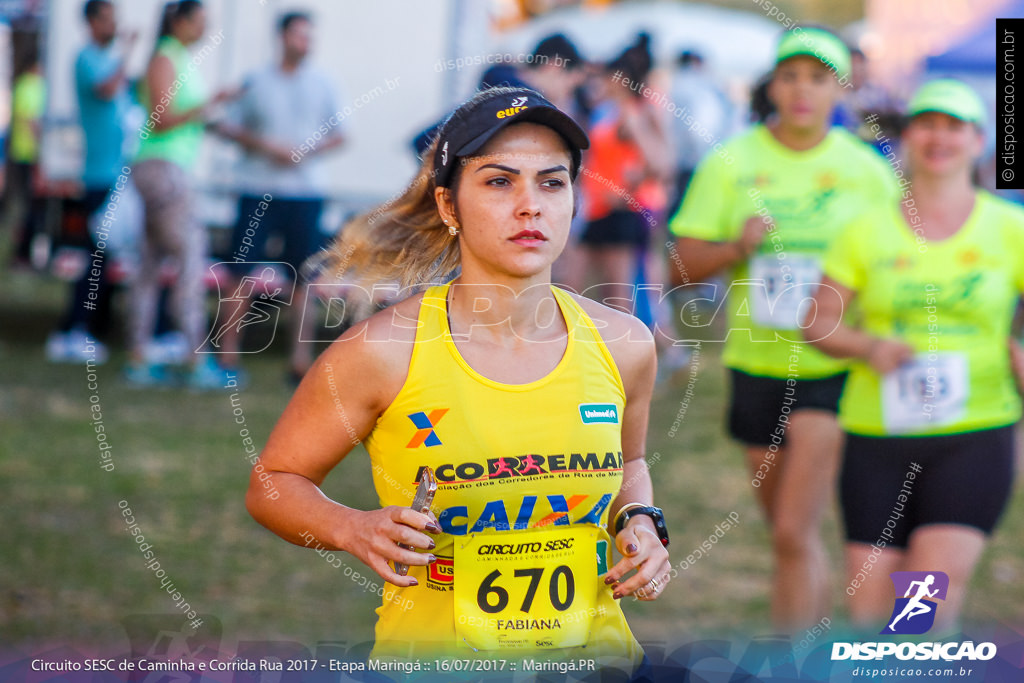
(70, 571)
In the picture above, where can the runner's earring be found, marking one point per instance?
(453, 230)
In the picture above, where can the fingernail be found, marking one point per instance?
(609, 580)
(433, 528)
(414, 582)
(631, 548)
(432, 558)
(432, 545)
(616, 595)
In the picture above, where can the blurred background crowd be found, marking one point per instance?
(286, 120)
(157, 156)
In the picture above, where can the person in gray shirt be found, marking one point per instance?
(285, 120)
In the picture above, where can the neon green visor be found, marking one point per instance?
(817, 43)
(948, 96)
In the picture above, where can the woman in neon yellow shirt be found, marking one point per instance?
(765, 210)
(930, 403)
(529, 403)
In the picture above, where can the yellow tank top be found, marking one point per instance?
(526, 474)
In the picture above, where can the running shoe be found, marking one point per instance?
(208, 375)
(75, 347)
(170, 348)
(57, 347)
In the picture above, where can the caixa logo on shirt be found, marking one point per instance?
(425, 425)
(531, 512)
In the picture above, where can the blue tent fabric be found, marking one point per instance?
(977, 52)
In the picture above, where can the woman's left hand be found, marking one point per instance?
(642, 550)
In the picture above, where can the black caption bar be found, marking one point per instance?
(1009, 164)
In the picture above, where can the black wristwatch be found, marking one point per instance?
(650, 511)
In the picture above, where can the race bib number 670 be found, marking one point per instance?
(533, 589)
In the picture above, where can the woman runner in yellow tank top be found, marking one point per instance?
(529, 404)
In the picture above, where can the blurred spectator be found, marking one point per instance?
(28, 104)
(102, 92)
(174, 96)
(626, 169)
(863, 97)
(554, 69)
(866, 103)
(708, 118)
(280, 109)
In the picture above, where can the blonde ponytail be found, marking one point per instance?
(402, 240)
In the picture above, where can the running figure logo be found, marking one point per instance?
(257, 299)
(914, 613)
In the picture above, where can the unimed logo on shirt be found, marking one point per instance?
(599, 412)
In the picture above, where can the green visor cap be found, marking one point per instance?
(816, 43)
(948, 96)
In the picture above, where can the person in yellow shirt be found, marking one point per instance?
(764, 210)
(28, 104)
(529, 403)
(930, 404)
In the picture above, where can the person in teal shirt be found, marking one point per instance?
(931, 402)
(103, 103)
(765, 209)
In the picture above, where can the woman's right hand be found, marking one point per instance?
(374, 537)
(886, 355)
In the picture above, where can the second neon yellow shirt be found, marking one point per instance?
(953, 301)
(810, 195)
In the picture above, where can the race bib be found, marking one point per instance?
(783, 289)
(534, 589)
(925, 392)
